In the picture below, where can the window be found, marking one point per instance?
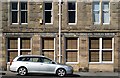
(106, 14)
(101, 13)
(18, 46)
(18, 12)
(96, 12)
(48, 47)
(101, 50)
(71, 50)
(48, 13)
(71, 12)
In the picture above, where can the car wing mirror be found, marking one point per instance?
(53, 62)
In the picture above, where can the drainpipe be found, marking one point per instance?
(59, 31)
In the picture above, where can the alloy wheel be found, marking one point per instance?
(22, 71)
(61, 72)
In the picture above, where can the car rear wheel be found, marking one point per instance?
(22, 71)
(61, 72)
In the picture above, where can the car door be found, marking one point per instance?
(47, 66)
(33, 64)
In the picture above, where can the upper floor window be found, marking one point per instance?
(19, 12)
(48, 13)
(71, 12)
(101, 13)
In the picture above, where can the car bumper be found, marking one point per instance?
(69, 71)
(13, 69)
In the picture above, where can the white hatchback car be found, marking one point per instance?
(38, 64)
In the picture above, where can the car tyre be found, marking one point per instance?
(22, 71)
(61, 72)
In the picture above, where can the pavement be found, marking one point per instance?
(8, 73)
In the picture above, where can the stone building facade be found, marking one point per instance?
(89, 32)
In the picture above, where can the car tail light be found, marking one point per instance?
(11, 62)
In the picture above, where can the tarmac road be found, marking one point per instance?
(54, 76)
(75, 75)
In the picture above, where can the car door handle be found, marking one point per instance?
(26, 63)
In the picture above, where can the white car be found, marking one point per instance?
(25, 64)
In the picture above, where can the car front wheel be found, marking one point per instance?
(22, 71)
(61, 72)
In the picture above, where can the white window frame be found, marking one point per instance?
(75, 13)
(24, 11)
(15, 10)
(77, 50)
(51, 13)
(101, 12)
(106, 11)
(97, 11)
(50, 49)
(100, 52)
(18, 48)
(19, 12)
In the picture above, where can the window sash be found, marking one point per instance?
(48, 47)
(72, 16)
(101, 12)
(71, 56)
(96, 12)
(72, 45)
(19, 16)
(18, 50)
(48, 13)
(101, 50)
(71, 12)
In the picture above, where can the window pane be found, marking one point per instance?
(71, 15)
(94, 43)
(12, 43)
(48, 16)
(71, 5)
(96, 17)
(106, 6)
(71, 43)
(48, 43)
(94, 56)
(107, 43)
(12, 55)
(96, 6)
(14, 17)
(71, 56)
(14, 6)
(48, 6)
(23, 16)
(107, 56)
(106, 17)
(23, 6)
(49, 54)
(25, 43)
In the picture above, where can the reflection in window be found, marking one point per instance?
(71, 12)
(48, 12)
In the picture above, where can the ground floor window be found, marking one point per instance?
(18, 46)
(101, 50)
(72, 49)
(48, 47)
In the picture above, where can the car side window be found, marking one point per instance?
(35, 59)
(24, 59)
(45, 60)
